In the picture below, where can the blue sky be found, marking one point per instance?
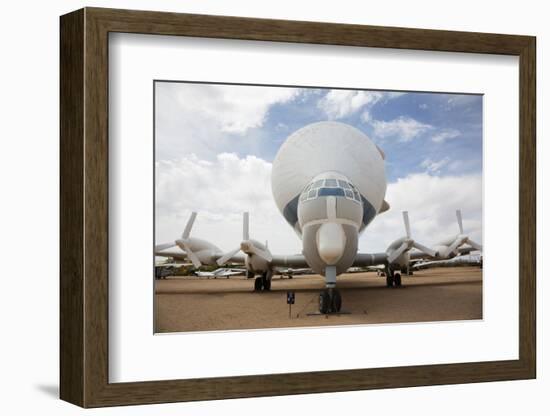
(215, 143)
(458, 115)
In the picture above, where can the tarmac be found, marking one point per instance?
(198, 304)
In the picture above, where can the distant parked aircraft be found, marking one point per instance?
(222, 272)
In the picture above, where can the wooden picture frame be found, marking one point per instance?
(84, 207)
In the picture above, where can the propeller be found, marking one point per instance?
(227, 256)
(461, 238)
(409, 243)
(247, 246)
(184, 241)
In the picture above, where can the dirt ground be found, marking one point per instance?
(200, 304)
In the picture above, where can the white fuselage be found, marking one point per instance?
(329, 182)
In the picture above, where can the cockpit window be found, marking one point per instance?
(330, 187)
(331, 191)
(318, 184)
(343, 184)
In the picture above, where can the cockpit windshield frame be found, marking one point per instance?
(330, 187)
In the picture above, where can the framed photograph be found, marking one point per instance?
(254, 207)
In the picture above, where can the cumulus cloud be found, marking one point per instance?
(342, 103)
(220, 191)
(199, 118)
(233, 108)
(431, 202)
(433, 166)
(444, 135)
(403, 128)
(198, 127)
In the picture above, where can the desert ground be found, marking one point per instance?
(199, 304)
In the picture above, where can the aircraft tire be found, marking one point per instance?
(258, 284)
(336, 301)
(266, 283)
(397, 279)
(389, 281)
(324, 302)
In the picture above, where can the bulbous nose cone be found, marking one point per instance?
(331, 242)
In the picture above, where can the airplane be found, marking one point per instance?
(328, 181)
(399, 254)
(450, 247)
(222, 272)
(199, 252)
(163, 270)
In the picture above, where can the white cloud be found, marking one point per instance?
(223, 189)
(199, 118)
(220, 190)
(404, 128)
(342, 103)
(444, 135)
(433, 166)
(366, 117)
(431, 202)
(233, 108)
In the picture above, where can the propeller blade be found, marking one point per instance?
(459, 219)
(227, 256)
(474, 244)
(192, 256)
(245, 226)
(189, 226)
(396, 253)
(425, 249)
(452, 248)
(407, 225)
(260, 253)
(164, 246)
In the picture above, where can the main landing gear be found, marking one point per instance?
(262, 283)
(330, 301)
(393, 279)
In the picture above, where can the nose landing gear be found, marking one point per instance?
(330, 301)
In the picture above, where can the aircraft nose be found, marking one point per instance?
(331, 242)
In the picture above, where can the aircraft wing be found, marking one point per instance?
(416, 255)
(176, 254)
(172, 264)
(427, 264)
(297, 261)
(232, 273)
(370, 259)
